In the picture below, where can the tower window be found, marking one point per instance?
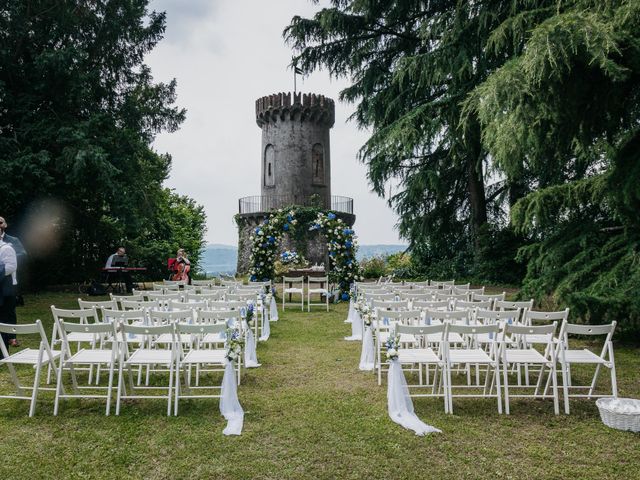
(269, 166)
(317, 164)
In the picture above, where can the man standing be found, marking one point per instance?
(8, 282)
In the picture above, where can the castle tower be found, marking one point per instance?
(296, 158)
(295, 167)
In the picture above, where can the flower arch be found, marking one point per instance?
(341, 244)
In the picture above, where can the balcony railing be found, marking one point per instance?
(266, 203)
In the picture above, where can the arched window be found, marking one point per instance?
(317, 164)
(269, 166)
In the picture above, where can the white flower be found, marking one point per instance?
(392, 352)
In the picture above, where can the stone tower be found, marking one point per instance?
(295, 167)
(296, 159)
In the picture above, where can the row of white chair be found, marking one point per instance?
(314, 286)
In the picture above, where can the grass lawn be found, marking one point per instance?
(310, 413)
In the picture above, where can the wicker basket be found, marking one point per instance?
(616, 419)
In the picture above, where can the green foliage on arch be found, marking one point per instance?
(299, 221)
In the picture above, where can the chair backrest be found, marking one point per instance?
(138, 304)
(217, 316)
(531, 330)
(119, 298)
(311, 280)
(293, 281)
(420, 330)
(419, 295)
(495, 316)
(86, 304)
(161, 318)
(457, 317)
(131, 332)
(369, 297)
(97, 329)
(493, 297)
(431, 304)
(390, 304)
(512, 305)
(531, 317)
(227, 305)
(576, 329)
(452, 296)
(462, 286)
(117, 316)
(163, 296)
(407, 317)
(241, 297)
(425, 283)
(175, 305)
(203, 283)
(205, 297)
(465, 305)
(200, 329)
(448, 283)
(88, 315)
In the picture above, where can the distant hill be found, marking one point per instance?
(366, 251)
(219, 258)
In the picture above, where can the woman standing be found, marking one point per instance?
(181, 267)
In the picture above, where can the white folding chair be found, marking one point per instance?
(471, 355)
(385, 320)
(568, 357)
(44, 355)
(88, 357)
(322, 289)
(496, 297)
(517, 356)
(99, 305)
(418, 355)
(149, 357)
(202, 356)
(296, 287)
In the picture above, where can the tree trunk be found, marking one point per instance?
(475, 183)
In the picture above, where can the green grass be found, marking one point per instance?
(309, 413)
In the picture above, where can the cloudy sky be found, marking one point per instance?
(224, 55)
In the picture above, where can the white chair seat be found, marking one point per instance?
(145, 356)
(293, 290)
(81, 337)
(167, 338)
(29, 356)
(404, 337)
(582, 356)
(213, 338)
(525, 356)
(474, 355)
(436, 337)
(204, 356)
(418, 355)
(318, 290)
(90, 356)
(537, 339)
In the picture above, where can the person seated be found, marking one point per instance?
(116, 261)
(180, 267)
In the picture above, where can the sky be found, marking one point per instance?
(225, 54)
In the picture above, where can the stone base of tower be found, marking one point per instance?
(314, 247)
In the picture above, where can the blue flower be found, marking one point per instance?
(271, 239)
(331, 216)
(266, 221)
(345, 296)
(289, 218)
(348, 244)
(254, 278)
(332, 254)
(286, 227)
(257, 230)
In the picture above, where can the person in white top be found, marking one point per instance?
(8, 282)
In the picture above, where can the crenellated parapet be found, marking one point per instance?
(305, 107)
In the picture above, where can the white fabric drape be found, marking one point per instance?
(230, 407)
(400, 404)
(250, 355)
(273, 310)
(356, 327)
(266, 328)
(368, 354)
(352, 308)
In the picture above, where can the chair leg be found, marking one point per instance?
(595, 379)
(565, 388)
(56, 402)
(614, 382)
(554, 380)
(34, 393)
(505, 375)
(496, 376)
(110, 388)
